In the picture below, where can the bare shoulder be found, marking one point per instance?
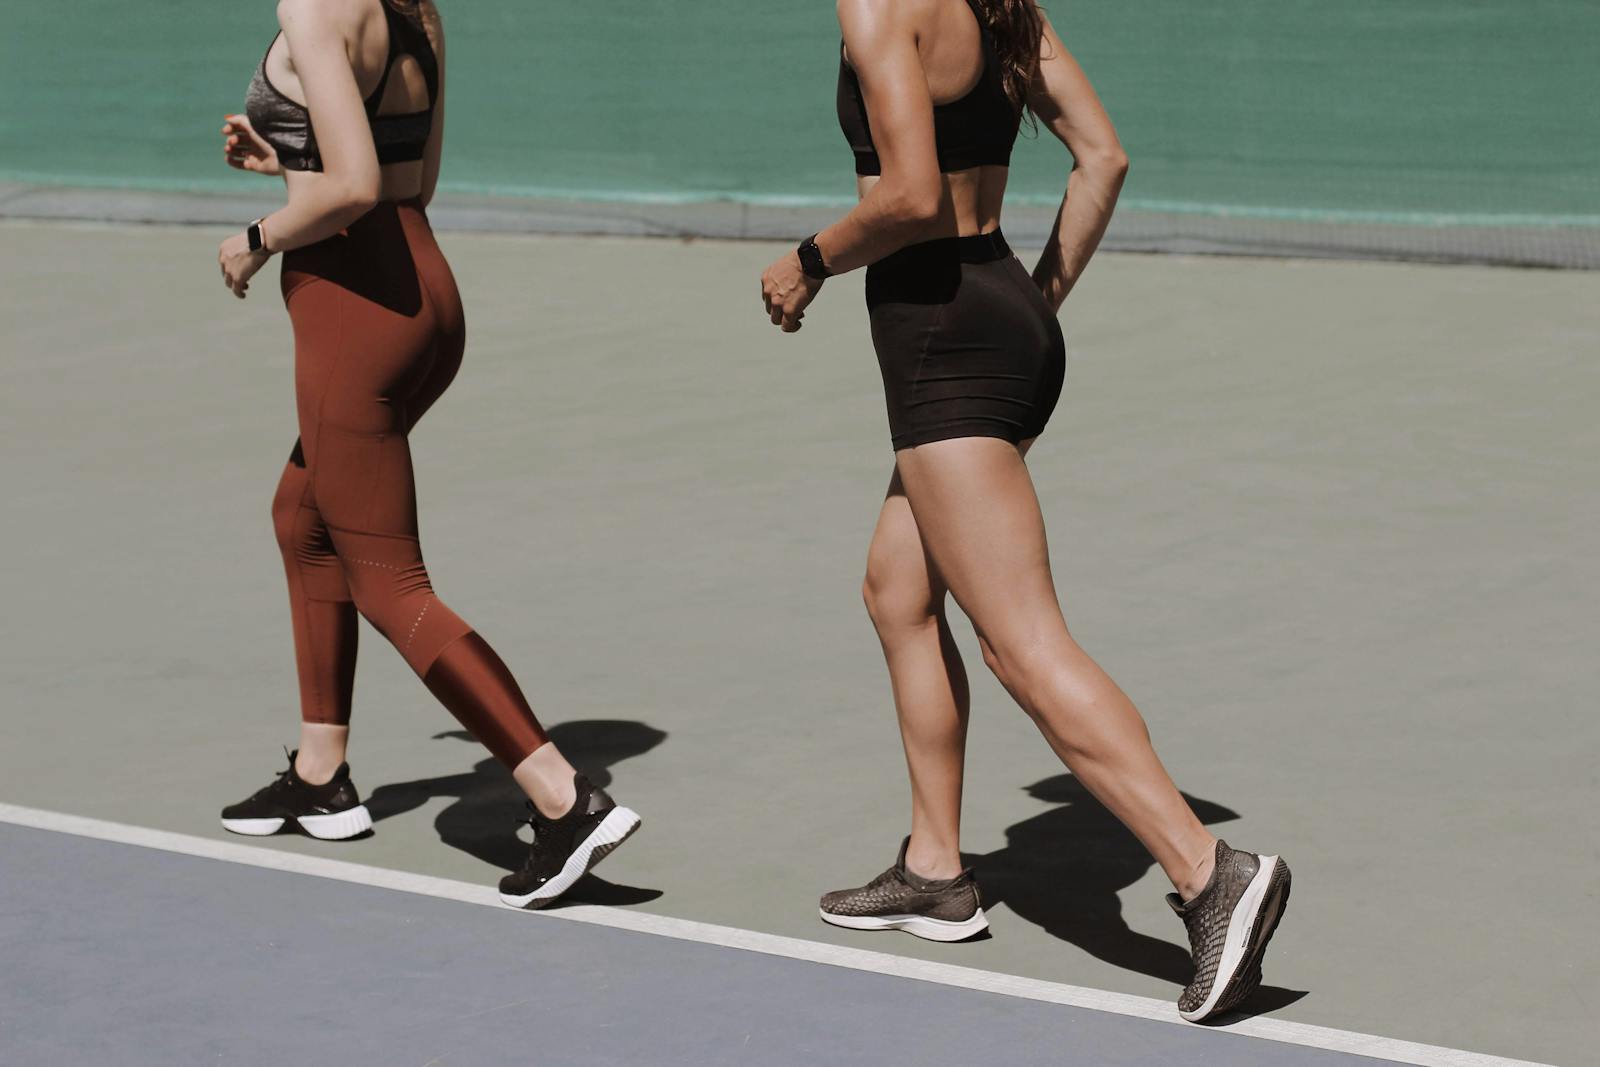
(870, 15)
(311, 13)
(337, 18)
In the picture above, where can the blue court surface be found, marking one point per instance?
(135, 953)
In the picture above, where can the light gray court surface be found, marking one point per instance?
(1330, 524)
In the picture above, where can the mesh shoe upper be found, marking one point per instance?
(1207, 917)
(898, 891)
(289, 796)
(554, 840)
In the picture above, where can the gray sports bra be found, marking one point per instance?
(286, 125)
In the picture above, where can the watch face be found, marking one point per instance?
(811, 261)
(253, 235)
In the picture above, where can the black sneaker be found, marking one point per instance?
(1230, 922)
(332, 811)
(565, 849)
(945, 910)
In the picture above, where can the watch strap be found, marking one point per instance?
(811, 262)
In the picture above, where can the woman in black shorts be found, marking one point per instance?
(931, 95)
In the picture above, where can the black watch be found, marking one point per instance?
(811, 262)
(256, 236)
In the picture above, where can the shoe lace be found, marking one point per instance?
(889, 876)
(281, 781)
(535, 819)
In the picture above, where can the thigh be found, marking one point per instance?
(357, 365)
(980, 524)
(900, 577)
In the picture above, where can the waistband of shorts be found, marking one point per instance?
(979, 248)
(931, 272)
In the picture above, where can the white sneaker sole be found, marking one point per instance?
(614, 829)
(918, 925)
(339, 826)
(1242, 924)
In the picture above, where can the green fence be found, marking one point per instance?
(1427, 113)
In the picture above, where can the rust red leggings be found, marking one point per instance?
(378, 335)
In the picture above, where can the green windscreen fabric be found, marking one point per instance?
(1429, 113)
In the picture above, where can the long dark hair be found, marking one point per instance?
(1018, 31)
(411, 9)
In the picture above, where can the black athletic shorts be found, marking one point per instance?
(966, 343)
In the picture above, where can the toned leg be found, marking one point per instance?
(905, 597)
(980, 524)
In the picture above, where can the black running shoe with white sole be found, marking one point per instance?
(1230, 922)
(332, 811)
(565, 849)
(898, 899)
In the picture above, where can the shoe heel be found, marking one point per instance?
(340, 826)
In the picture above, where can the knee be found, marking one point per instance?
(375, 596)
(895, 601)
(388, 595)
(1019, 664)
(401, 605)
(1002, 665)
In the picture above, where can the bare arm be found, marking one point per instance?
(320, 205)
(882, 47)
(435, 152)
(1066, 103)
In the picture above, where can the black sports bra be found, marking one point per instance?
(286, 125)
(977, 130)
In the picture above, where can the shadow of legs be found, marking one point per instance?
(487, 801)
(1064, 869)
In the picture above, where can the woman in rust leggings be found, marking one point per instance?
(347, 106)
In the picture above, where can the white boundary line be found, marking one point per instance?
(753, 941)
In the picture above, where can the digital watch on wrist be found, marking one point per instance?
(811, 261)
(256, 236)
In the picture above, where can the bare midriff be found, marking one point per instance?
(968, 205)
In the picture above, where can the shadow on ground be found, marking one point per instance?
(1063, 870)
(488, 808)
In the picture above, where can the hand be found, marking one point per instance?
(786, 290)
(244, 148)
(239, 264)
